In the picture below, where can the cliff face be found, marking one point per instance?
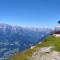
(47, 50)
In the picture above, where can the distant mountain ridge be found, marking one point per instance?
(15, 39)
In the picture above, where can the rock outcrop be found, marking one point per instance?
(45, 53)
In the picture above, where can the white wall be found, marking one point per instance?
(56, 35)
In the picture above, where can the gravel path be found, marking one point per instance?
(45, 53)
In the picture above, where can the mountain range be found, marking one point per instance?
(15, 39)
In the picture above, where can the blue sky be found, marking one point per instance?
(30, 13)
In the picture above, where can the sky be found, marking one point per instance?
(30, 13)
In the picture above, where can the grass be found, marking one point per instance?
(50, 41)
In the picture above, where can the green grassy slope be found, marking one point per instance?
(50, 41)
